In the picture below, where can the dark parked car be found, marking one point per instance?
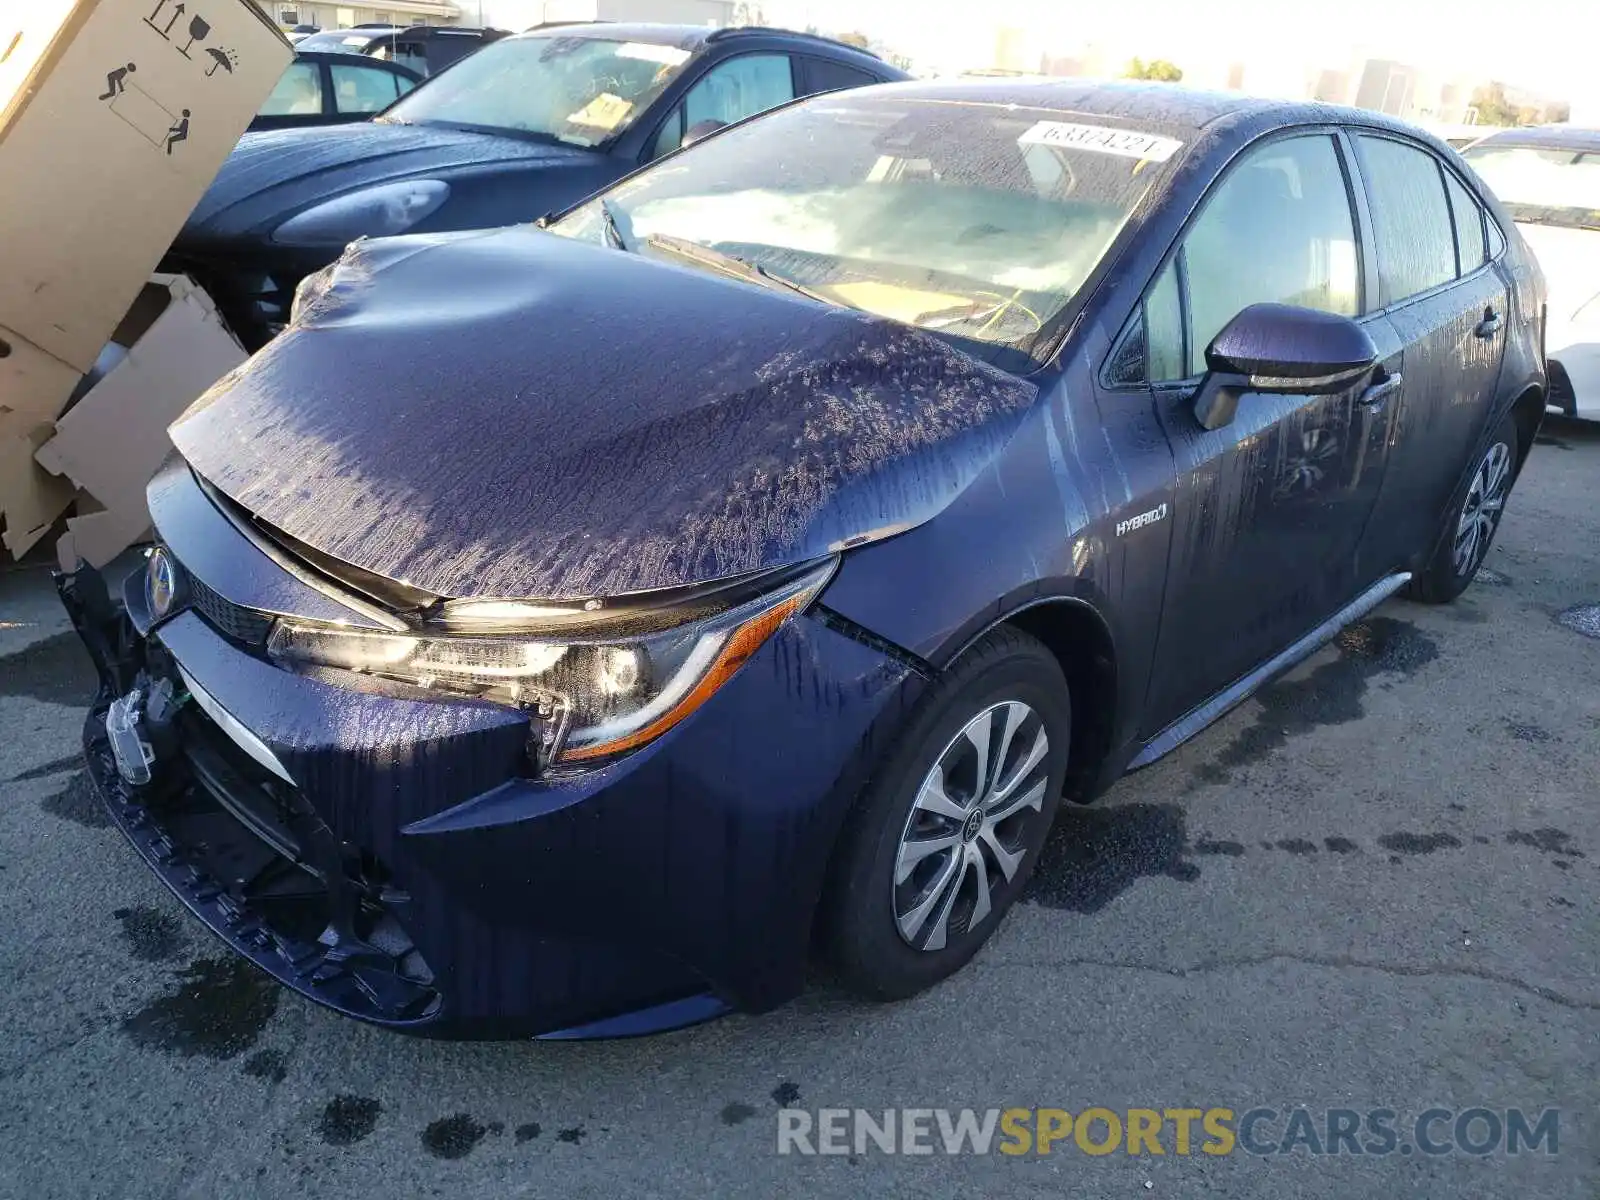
(567, 630)
(425, 49)
(524, 127)
(332, 89)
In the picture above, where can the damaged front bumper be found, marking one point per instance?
(389, 857)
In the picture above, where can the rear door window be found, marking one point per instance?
(730, 91)
(298, 92)
(1414, 230)
(362, 89)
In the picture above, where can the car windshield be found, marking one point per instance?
(1542, 185)
(580, 90)
(975, 220)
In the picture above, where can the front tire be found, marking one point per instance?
(946, 835)
(1468, 531)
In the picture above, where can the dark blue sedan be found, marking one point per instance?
(572, 630)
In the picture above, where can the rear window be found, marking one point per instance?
(1542, 185)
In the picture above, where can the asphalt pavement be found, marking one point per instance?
(1372, 887)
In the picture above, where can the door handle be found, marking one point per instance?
(1489, 326)
(1376, 396)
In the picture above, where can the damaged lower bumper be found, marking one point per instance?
(388, 857)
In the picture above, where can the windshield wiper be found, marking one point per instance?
(732, 264)
(613, 228)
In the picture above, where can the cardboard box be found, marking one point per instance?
(30, 499)
(115, 115)
(33, 385)
(112, 440)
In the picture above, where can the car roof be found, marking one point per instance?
(694, 37)
(1164, 106)
(1557, 137)
(340, 59)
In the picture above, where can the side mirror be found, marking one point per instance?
(1284, 349)
(702, 129)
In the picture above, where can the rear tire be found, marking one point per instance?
(947, 833)
(1468, 531)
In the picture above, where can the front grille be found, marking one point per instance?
(260, 865)
(246, 626)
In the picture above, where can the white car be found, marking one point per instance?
(1548, 178)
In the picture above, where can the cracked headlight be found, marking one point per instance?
(380, 211)
(614, 682)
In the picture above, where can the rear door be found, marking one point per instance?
(1446, 301)
(1268, 512)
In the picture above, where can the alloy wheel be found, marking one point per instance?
(1480, 512)
(967, 832)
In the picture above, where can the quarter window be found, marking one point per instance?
(1277, 229)
(1471, 249)
(1416, 246)
(1164, 327)
(825, 76)
(1497, 240)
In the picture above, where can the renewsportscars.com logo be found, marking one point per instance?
(1169, 1131)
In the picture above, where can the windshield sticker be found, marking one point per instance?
(605, 111)
(667, 56)
(1101, 139)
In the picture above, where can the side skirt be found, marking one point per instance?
(1197, 718)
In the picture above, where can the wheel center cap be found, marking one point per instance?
(971, 826)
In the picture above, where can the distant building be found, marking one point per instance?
(324, 15)
(520, 14)
(1386, 87)
(1090, 62)
(1015, 51)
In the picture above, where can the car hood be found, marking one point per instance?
(511, 413)
(274, 173)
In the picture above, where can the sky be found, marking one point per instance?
(1545, 45)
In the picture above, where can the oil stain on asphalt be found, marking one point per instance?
(1093, 855)
(348, 1119)
(1529, 733)
(151, 935)
(737, 1113)
(1331, 694)
(1418, 843)
(55, 669)
(453, 1137)
(1550, 841)
(78, 803)
(217, 1010)
(271, 1065)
